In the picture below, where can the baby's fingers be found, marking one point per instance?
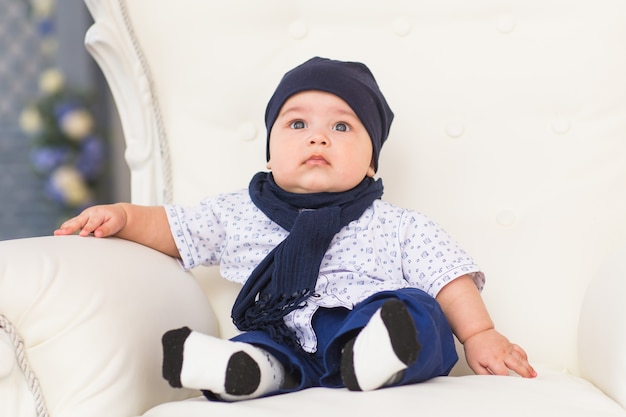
(85, 224)
(70, 226)
(90, 226)
(102, 221)
(490, 367)
(518, 361)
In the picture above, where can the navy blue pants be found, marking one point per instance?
(334, 327)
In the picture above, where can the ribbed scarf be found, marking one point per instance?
(284, 280)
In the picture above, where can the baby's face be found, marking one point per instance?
(318, 144)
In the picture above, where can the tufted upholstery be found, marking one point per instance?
(510, 131)
(509, 128)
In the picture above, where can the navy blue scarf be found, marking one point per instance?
(284, 280)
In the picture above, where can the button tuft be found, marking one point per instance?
(298, 29)
(455, 129)
(401, 27)
(505, 24)
(247, 132)
(560, 125)
(506, 218)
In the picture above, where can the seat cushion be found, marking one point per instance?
(552, 393)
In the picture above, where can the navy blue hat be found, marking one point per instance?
(353, 82)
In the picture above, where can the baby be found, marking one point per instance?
(340, 289)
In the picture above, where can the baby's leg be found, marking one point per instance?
(386, 346)
(231, 370)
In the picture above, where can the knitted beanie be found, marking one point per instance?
(353, 82)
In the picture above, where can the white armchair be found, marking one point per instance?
(510, 131)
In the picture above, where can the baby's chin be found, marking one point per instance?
(315, 187)
(312, 181)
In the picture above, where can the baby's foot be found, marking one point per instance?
(231, 370)
(386, 346)
(173, 344)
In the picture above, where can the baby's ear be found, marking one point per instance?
(268, 165)
(371, 171)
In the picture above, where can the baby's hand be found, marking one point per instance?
(102, 221)
(489, 352)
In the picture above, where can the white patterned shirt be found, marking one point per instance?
(387, 248)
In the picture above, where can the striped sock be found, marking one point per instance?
(386, 346)
(231, 370)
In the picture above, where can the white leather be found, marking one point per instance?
(602, 334)
(17, 399)
(91, 313)
(509, 131)
(551, 394)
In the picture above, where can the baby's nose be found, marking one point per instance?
(318, 138)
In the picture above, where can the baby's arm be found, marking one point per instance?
(146, 225)
(486, 350)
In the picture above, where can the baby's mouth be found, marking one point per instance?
(316, 160)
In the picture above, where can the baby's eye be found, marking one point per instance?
(341, 127)
(297, 124)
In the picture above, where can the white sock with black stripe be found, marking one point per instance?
(386, 346)
(231, 370)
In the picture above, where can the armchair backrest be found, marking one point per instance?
(510, 125)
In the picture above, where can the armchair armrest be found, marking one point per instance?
(602, 331)
(90, 314)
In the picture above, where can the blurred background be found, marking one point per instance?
(59, 131)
